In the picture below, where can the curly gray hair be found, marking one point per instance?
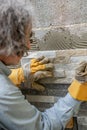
(15, 17)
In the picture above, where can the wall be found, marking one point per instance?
(60, 24)
(67, 18)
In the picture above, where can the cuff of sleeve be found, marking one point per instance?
(17, 76)
(70, 100)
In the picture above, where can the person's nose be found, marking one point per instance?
(28, 44)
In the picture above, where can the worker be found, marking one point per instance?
(16, 113)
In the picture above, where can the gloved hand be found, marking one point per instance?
(37, 69)
(33, 71)
(78, 88)
(81, 72)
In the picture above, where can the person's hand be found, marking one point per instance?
(81, 72)
(78, 88)
(31, 72)
(37, 69)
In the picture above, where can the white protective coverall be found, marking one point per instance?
(16, 113)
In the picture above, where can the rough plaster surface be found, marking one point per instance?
(60, 12)
(66, 15)
(60, 39)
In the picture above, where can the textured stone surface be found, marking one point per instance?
(55, 88)
(65, 63)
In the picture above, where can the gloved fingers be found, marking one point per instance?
(40, 58)
(43, 67)
(38, 87)
(39, 61)
(49, 66)
(34, 63)
(42, 74)
(36, 60)
(81, 70)
(45, 60)
(81, 79)
(38, 68)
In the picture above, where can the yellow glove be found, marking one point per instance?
(42, 63)
(81, 72)
(78, 88)
(39, 68)
(33, 71)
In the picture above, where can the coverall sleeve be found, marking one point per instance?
(16, 113)
(59, 115)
